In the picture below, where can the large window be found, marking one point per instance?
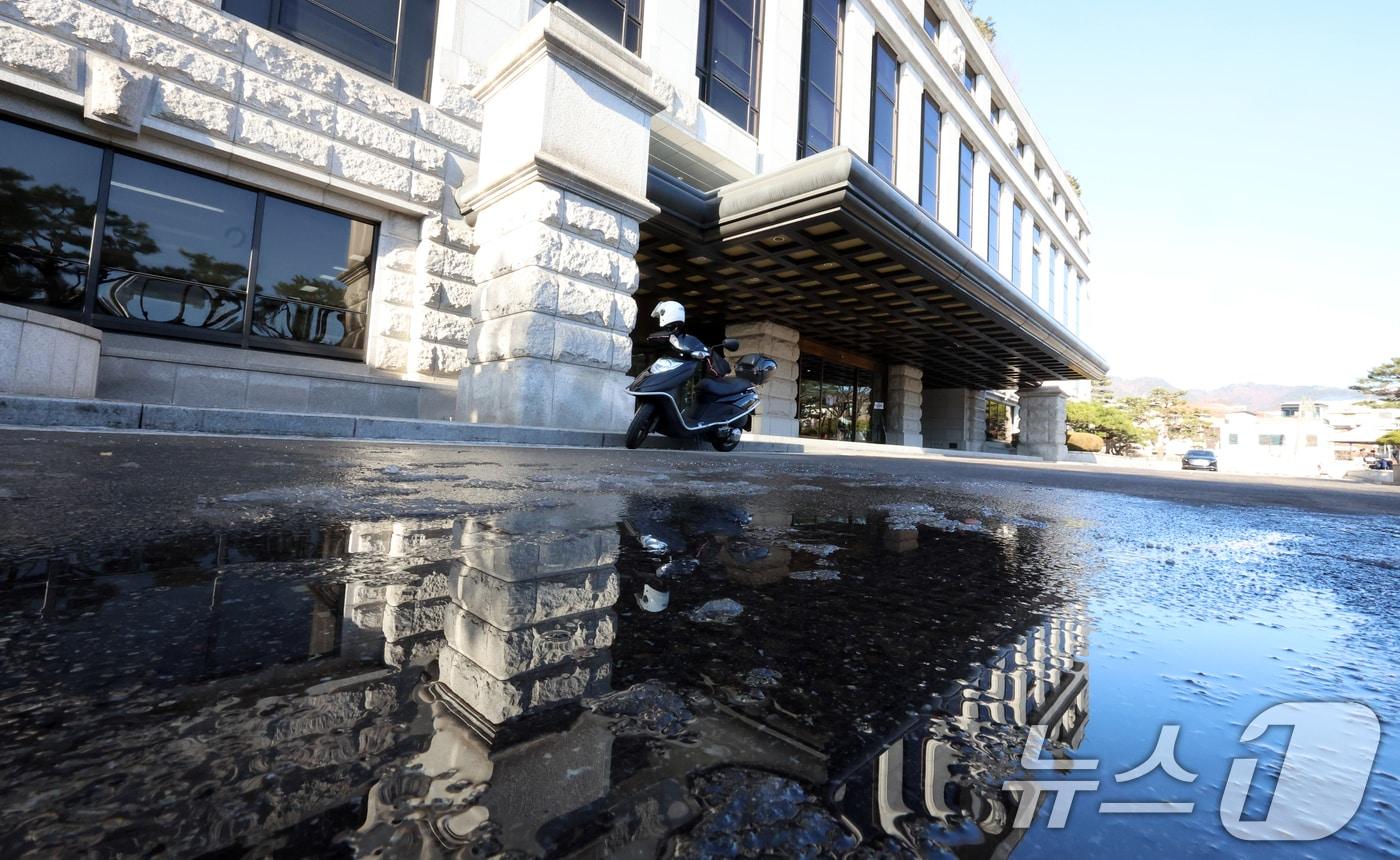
(389, 39)
(928, 157)
(1035, 264)
(621, 19)
(727, 62)
(177, 253)
(994, 222)
(821, 75)
(1050, 278)
(884, 95)
(969, 77)
(965, 162)
(931, 22)
(1018, 215)
(48, 200)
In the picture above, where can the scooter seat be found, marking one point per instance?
(711, 387)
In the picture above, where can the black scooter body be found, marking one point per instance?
(716, 418)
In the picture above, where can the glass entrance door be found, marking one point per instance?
(837, 401)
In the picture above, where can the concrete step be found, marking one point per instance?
(25, 411)
(869, 449)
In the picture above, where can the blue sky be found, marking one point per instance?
(1240, 163)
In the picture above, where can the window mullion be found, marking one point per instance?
(99, 229)
(250, 290)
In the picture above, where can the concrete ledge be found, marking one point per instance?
(46, 355)
(115, 415)
(238, 422)
(455, 431)
(60, 412)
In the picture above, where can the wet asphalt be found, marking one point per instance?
(59, 485)
(246, 647)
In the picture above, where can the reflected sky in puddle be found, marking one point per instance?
(646, 674)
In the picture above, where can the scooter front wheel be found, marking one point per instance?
(725, 445)
(642, 424)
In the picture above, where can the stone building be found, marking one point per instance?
(460, 209)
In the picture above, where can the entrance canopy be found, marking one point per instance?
(832, 249)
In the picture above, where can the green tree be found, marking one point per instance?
(1074, 183)
(986, 26)
(1382, 384)
(1166, 415)
(1115, 426)
(1101, 390)
(1391, 438)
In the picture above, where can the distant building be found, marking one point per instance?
(1303, 438)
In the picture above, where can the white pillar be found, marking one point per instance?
(909, 133)
(560, 192)
(1043, 423)
(777, 411)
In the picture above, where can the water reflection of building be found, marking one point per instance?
(944, 771)
(558, 780)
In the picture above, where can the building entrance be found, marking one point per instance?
(840, 401)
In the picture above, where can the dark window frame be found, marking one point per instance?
(1018, 215)
(88, 315)
(1037, 235)
(928, 191)
(703, 61)
(931, 15)
(804, 144)
(967, 180)
(273, 24)
(629, 22)
(993, 221)
(875, 98)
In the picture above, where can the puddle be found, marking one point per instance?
(664, 674)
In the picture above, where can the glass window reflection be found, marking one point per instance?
(48, 200)
(176, 249)
(313, 275)
(174, 224)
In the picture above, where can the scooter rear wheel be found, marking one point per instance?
(642, 424)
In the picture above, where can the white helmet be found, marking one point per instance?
(653, 600)
(669, 314)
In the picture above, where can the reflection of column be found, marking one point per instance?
(530, 614)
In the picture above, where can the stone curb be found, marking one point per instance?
(22, 411)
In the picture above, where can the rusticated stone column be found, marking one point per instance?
(1043, 423)
(560, 192)
(904, 401)
(777, 412)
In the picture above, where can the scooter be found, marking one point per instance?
(722, 408)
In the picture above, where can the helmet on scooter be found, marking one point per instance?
(671, 315)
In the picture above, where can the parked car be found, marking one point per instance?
(1199, 458)
(1380, 464)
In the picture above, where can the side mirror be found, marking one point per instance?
(730, 344)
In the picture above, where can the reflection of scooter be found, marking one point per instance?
(722, 408)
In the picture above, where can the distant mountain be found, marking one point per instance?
(1254, 396)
